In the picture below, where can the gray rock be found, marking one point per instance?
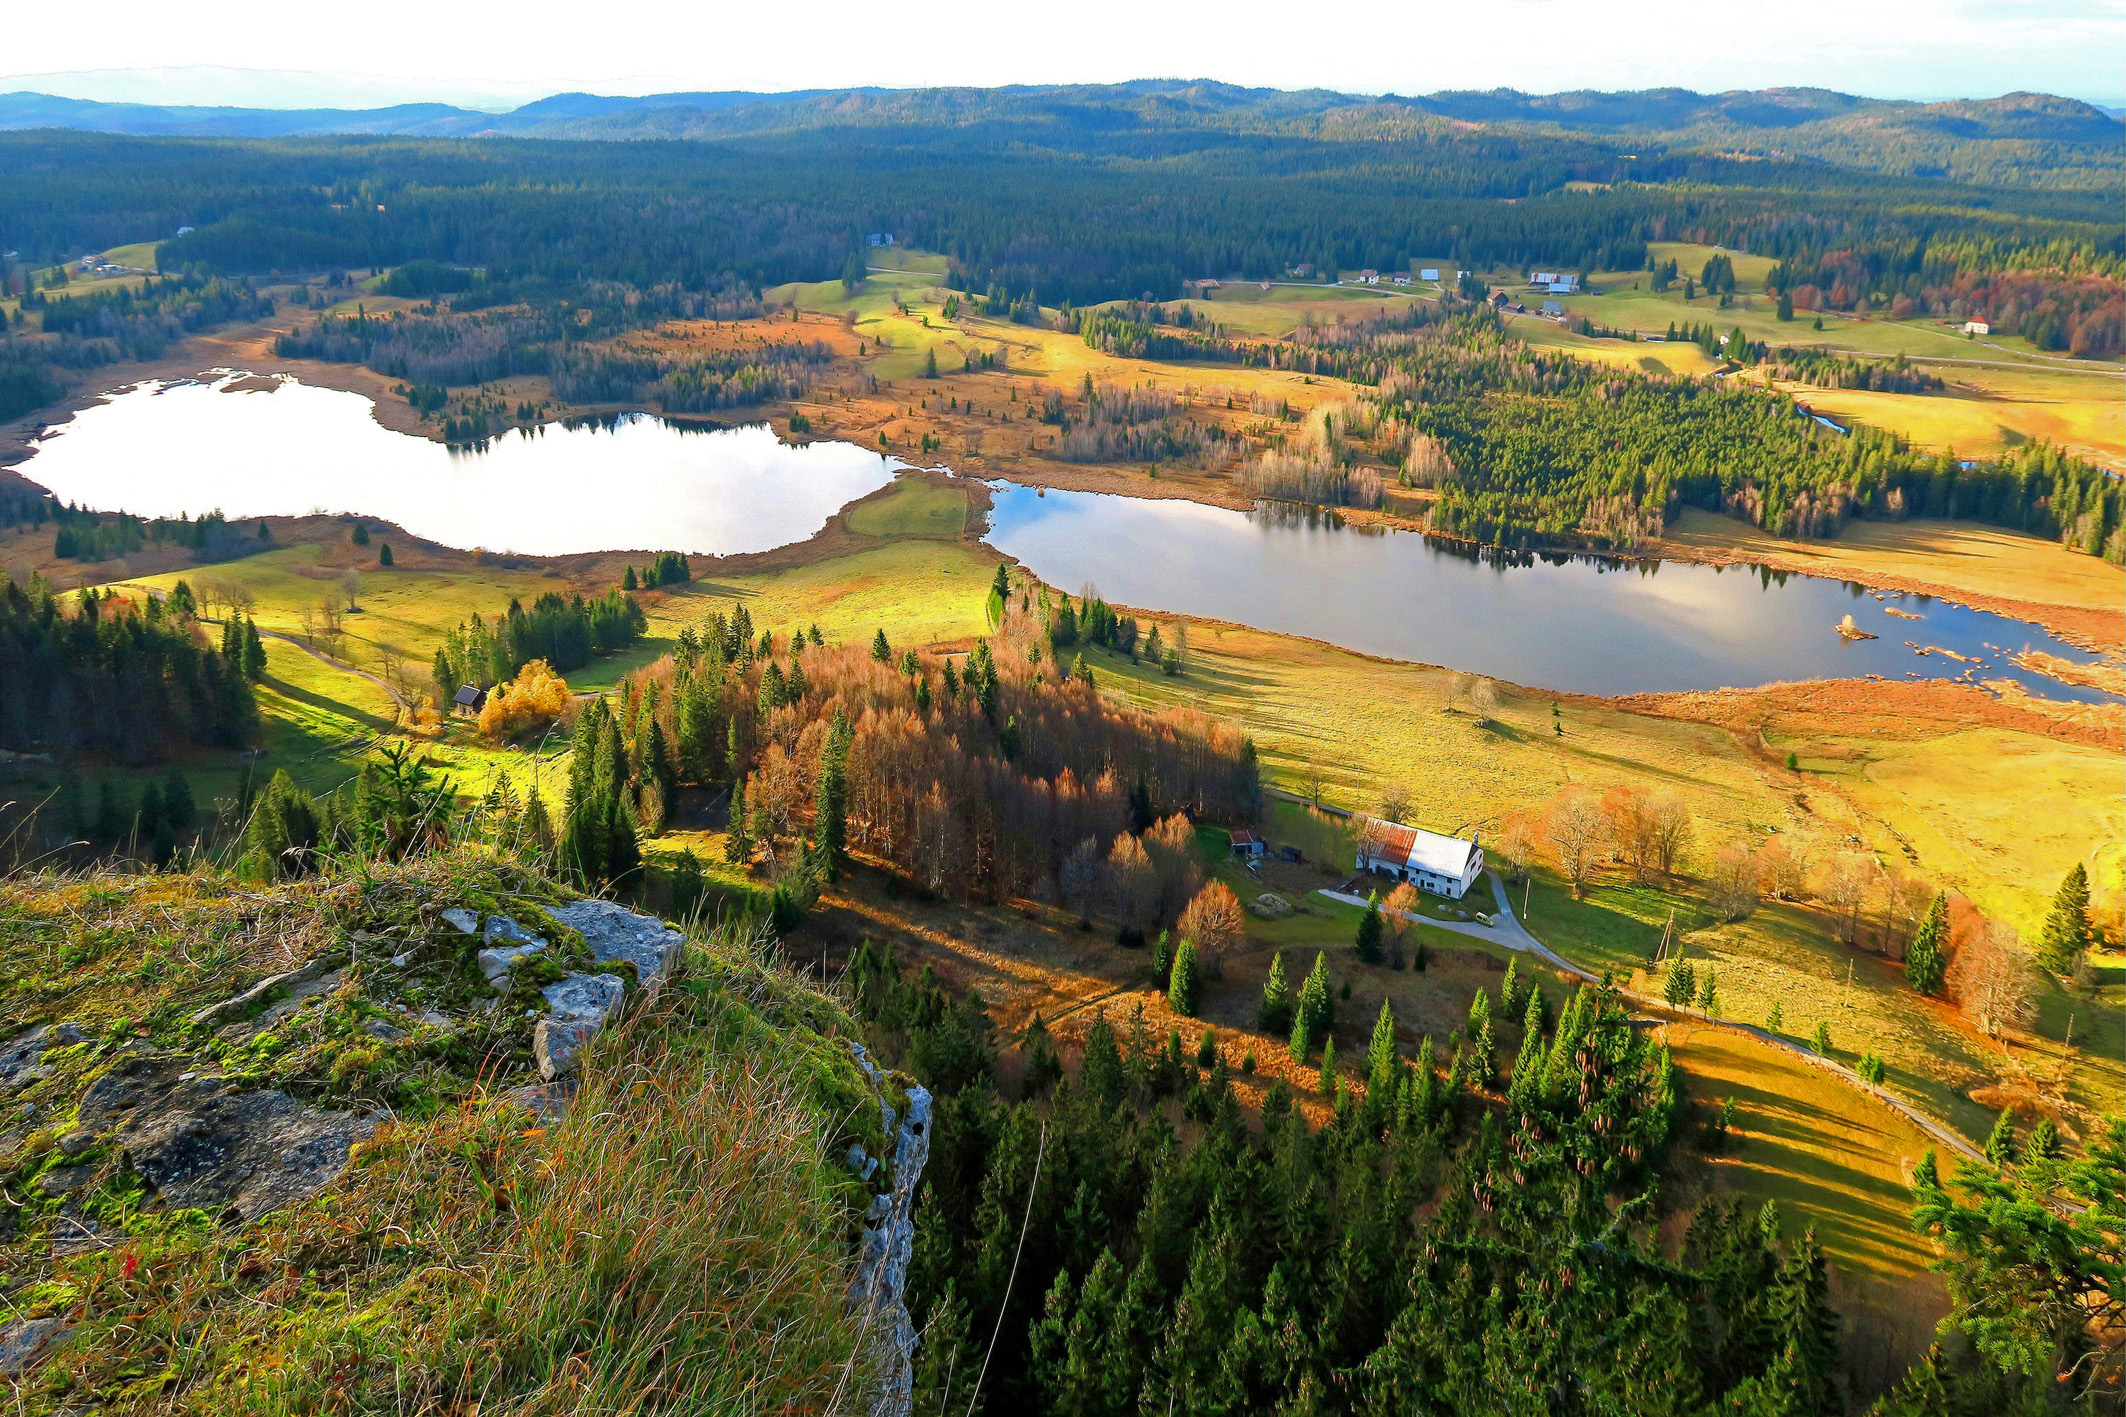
(383, 1032)
(546, 1101)
(584, 998)
(465, 920)
(558, 1045)
(508, 931)
(21, 1056)
(64, 1180)
(292, 984)
(615, 933)
(76, 1142)
(496, 963)
(25, 1342)
(234, 1154)
(889, 1242)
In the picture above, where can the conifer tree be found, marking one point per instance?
(627, 581)
(1371, 929)
(2067, 933)
(1926, 961)
(383, 554)
(1186, 986)
(2000, 1145)
(737, 843)
(1382, 1061)
(179, 808)
(830, 829)
(1483, 1061)
(254, 653)
(1682, 984)
(1327, 1083)
(880, 649)
(1274, 1014)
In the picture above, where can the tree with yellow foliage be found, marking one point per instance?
(532, 700)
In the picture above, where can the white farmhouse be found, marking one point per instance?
(1443, 865)
(1430, 273)
(1977, 327)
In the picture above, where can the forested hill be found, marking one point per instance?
(2018, 139)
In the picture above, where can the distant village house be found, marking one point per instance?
(1248, 844)
(469, 700)
(1977, 327)
(1443, 865)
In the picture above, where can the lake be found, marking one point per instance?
(1578, 623)
(622, 484)
(1575, 623)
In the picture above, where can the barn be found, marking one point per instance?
(1443, 865)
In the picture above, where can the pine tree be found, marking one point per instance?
(737, 844)
(1682, 984)
(1822, 1040)
(1327, 1084)
(1509, 989)
(830, 830)
(1186, 986)
(1371, 928)
(2067, 933)
(2044, 1142)
(2000, 1145)
(627, 581)
(179, 808)
(1926, 961)
(1382, 1062)
(383, 554)
(1709, 993)
(880, 649)
(254, 653)
(1274, 1014)
(1483, 1061)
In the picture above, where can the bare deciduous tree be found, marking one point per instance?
(1628, 824)
(1514, 845)
(1672, 833)
(1132, 884)
(1844, 886)
(1732, 887)
(1573, 826)
(1079, 878)
(350, 589)
(1783, 871)
(1395, 802)
(1990, 978)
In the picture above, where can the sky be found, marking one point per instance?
(493, 56)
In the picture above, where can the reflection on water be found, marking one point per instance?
(1585, 624)
(610, 483)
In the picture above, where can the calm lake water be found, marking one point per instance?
(638, 483)
(1575, 623)
(631, 483)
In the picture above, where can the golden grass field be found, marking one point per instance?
(1969, 557)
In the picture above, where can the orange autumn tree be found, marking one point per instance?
(1214, 922)
(533, 700)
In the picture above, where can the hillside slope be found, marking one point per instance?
(319, 1144)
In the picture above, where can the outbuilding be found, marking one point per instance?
(1248, 844)
(469, 699)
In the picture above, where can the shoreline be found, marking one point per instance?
(249, 349)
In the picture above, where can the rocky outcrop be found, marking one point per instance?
(22, 1057)
(889, 1241)
(204, 1146)
(617, 935)
(26, 1342)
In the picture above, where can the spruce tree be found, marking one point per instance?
(2000, 1146)
(2067, 933)
(1326, 1084)
(737, 843)
(1371, 927)
(1926, 961)
(1483, 1062)
(1274, 1014)
(1186, 986)
(254, 653)
(1682, 984)
(179, 808)
(880, 649)
(1381, 1059)
(830, 829)
(383, 554)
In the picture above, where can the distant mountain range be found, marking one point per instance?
(2017, 139)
